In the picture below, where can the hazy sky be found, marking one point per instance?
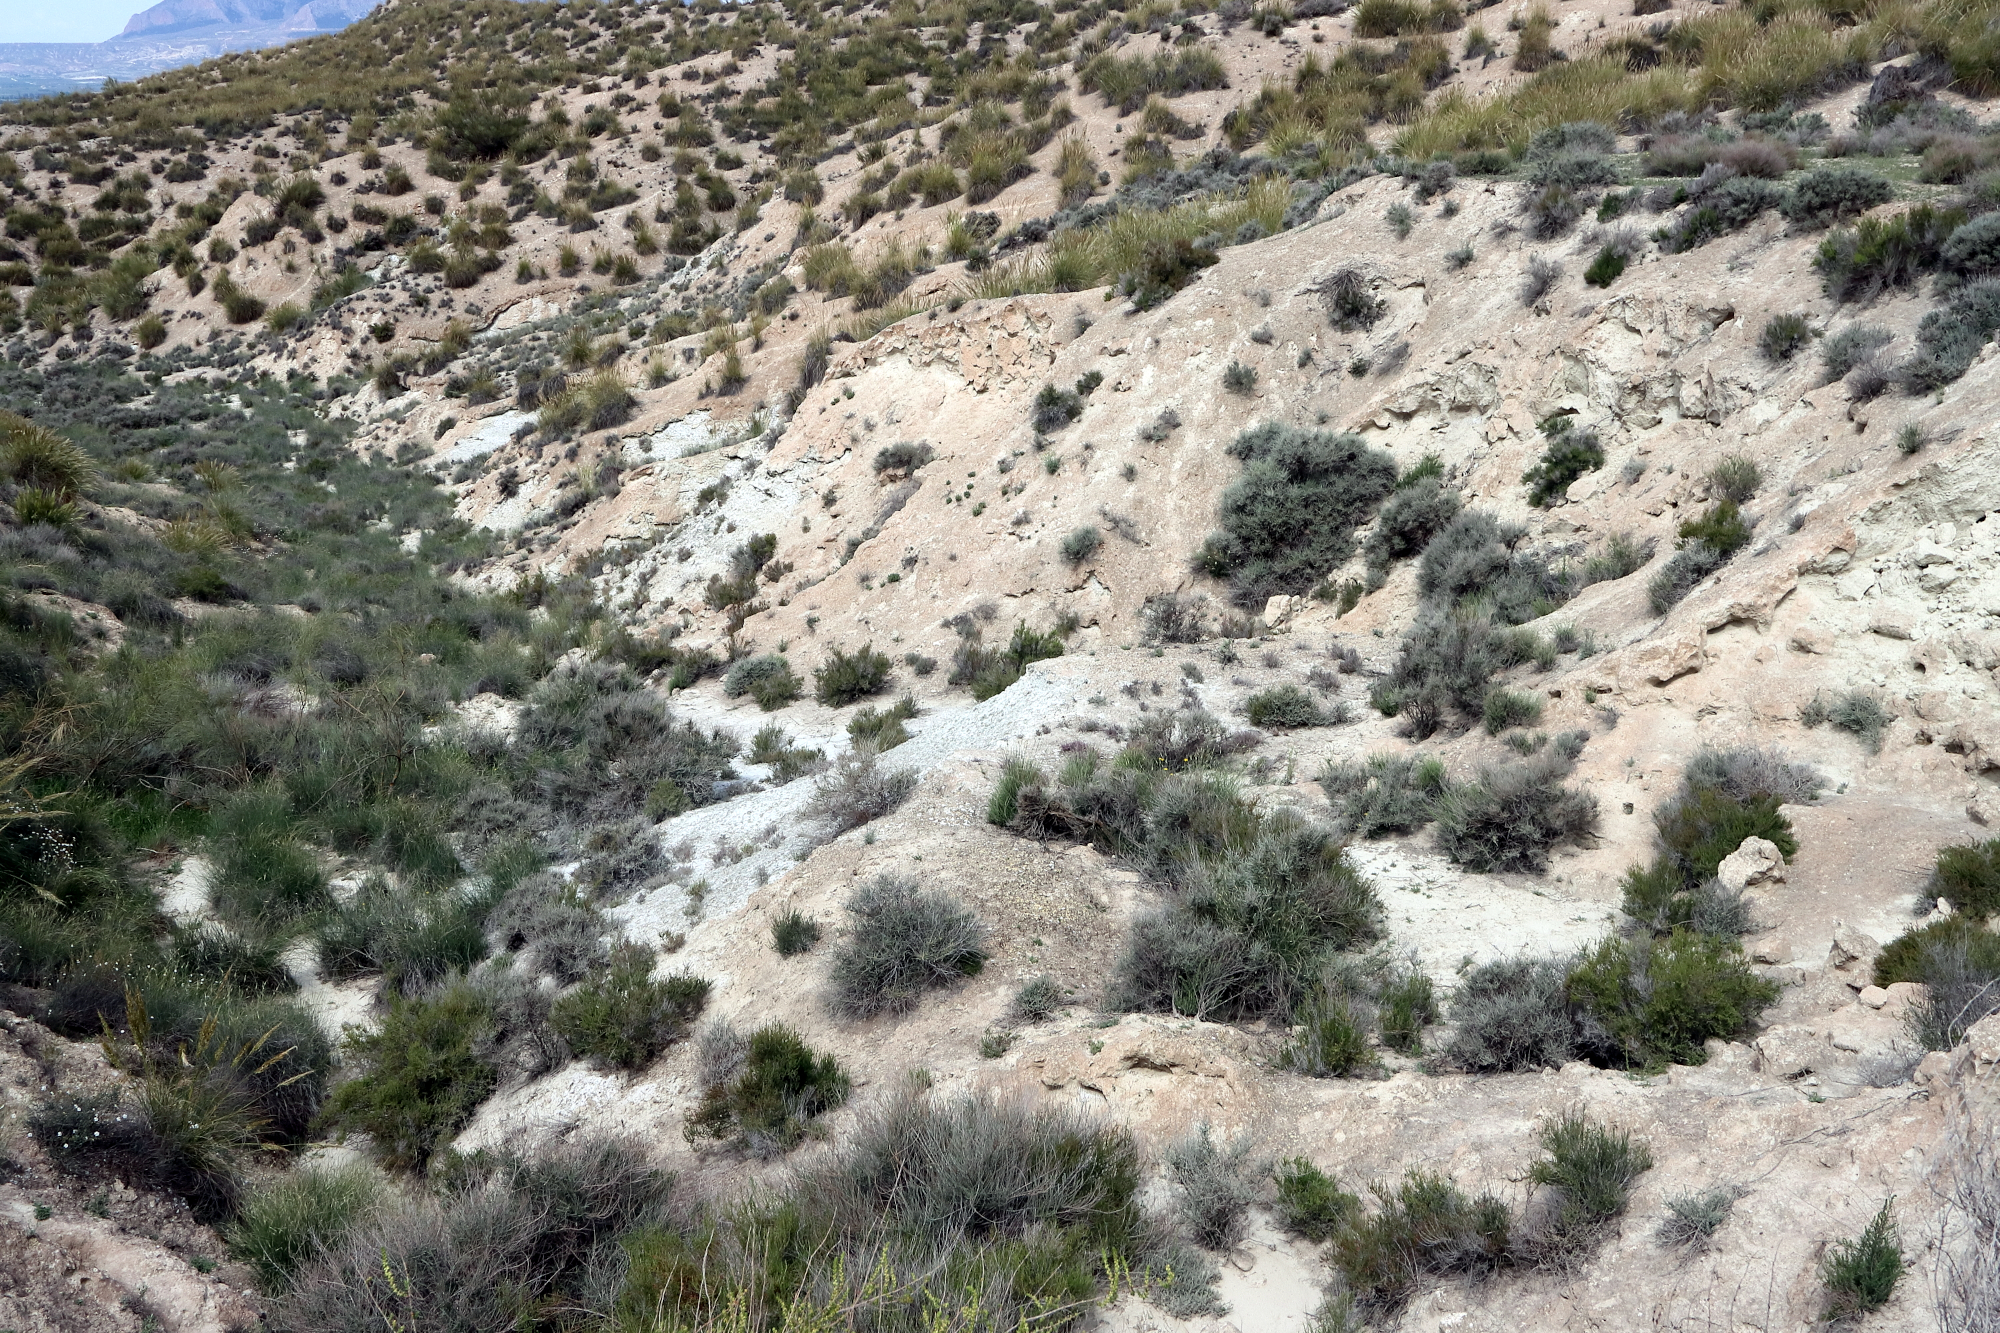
(65, 20)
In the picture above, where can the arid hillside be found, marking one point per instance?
(963, 666)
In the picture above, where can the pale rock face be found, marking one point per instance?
(1756, 861)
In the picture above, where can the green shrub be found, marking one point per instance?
(882, 729)
(1408, 1005)
(901, 941)
(293, 1217)
(767, 679)
(845, 677)
(1950, 339)
(988, 671)
(1311, 1203)
(1735, 478)
(1055, 408)
(1331, 1042)
(1215, 1183)
(1694, 1217)
(1660, 1000)
(783, 1086)
(414, 940)
(1783, 337)
(1968, 877)
(1248, 933)
(1385, 794)
(1516, 1014)
(423, 1075)
(1856, 712)
(793, 933)
(263, 873)
(1569, 454)
(1833, 190)
(1588, 1170)
(1957, 961)
(1003, 805)
(1606, 268)
(624, 1017)
(1082, 544)
(1510, 818)
(1860, 1275)
(1038, 1000)
(1420, 509)
(1291, 516)
(1239, 379)
(1284, 707)
(1506, 708)
(1423, 1228)
(903, 457)
(1879, 254)
(1706, 543)
(285, 318)
(33, 455)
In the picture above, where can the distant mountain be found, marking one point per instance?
(166, 36)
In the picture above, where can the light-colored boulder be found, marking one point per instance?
(1787, 1052)
(1851, 946)
(1755, 861)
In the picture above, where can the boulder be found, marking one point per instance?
(1755, 861)
(1851, 946)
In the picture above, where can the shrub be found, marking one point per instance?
(1847, 349)
(1055, 408)
(1384, 794)
(1038, 1000)
(1588, 1170)
(1783, 337)
(1417, 511)
(1855, 712)
(1348, 302)
(1082, 544)
(1311, 1203)
(859, 788)
(1860, 1275)
(414, 940)
(625, 1018)
(1605, 269)
(1216, 1185)
(1735, 478)
(1284, 707)
(1239, 379)
(1409, 1004)
(1706, 543)
(1719, 206)
(1569, 454)
(793, 933)
(1163, 268)
(1660, 1000)
(1957, 961)
(903, 458)
(1968, 877)
(35, 456)
(1834, 190)
(1513, 815)
(1332, 1041)
(882, 729)
(1291, 516)
(845, 677)
(902, 940)
(240, 306)
(1692, 1218)
(1516, 1014)
(1707, 823)
(263, 873)
(767, 679)
(1247, 932)
(296, 1216)
(1003, 805)
(1974, 249)
(784, 1084)
(1424, 1228)
(1539, 280)
(1878, 254)
(1950, 339)
(1506, 708)
(423, 1075)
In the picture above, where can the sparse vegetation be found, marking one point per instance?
(1856, 712)
(900, 941)
(846, 677)
(793, 933)
(1860, 1275)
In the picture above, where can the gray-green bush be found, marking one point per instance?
(902, 940)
